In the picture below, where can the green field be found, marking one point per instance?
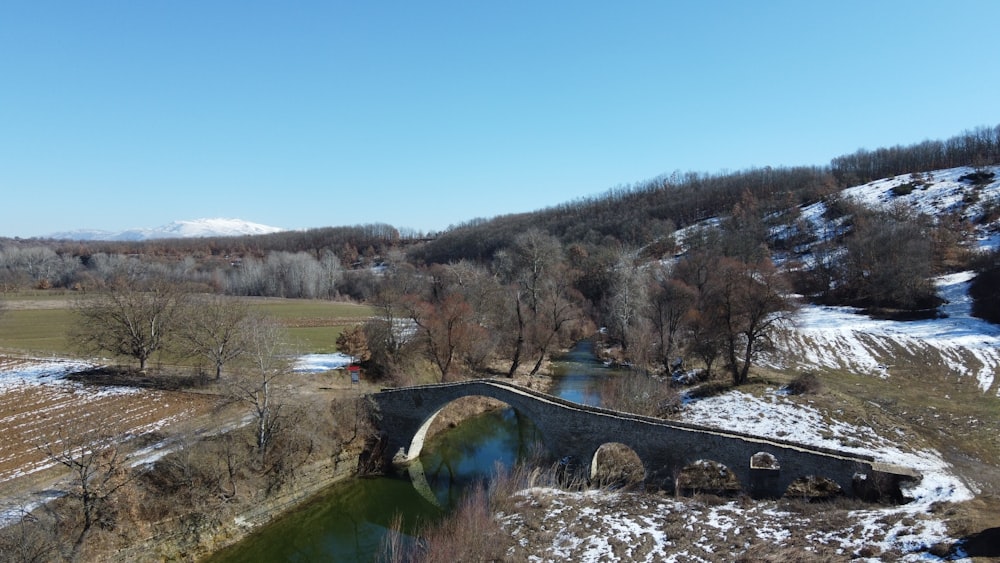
(314, 326)
(36, 332)
(36, 323)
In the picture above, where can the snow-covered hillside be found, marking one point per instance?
(820, 338)
(217, 227)
(844, 338)
(933, 193)
(823, 337)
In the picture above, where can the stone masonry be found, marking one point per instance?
(574, 432)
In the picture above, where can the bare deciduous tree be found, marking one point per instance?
(27, 541)
(215, 328)
(747, 301)
(447, 326)
(98, 467)
(134, 318)
(670, 304)
(628, 297)
(524, 267)
(558, 312)
(266, 364)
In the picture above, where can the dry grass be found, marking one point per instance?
(617, 466)
(640, 394)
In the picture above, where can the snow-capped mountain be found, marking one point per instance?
(218, 227)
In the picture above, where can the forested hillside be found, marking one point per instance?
(637, 215)
(699, 264)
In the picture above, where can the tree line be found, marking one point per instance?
(978, 148)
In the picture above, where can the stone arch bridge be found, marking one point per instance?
(574, 431)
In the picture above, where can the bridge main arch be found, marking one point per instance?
(410, 412)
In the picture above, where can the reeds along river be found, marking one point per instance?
(348, 521)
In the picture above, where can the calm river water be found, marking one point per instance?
(348, 521)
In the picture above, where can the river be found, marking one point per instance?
(348, 521)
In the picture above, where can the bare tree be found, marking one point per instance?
(216, 328)
(628, 297)
(670, 304)
(485, 294)
(27, 541)
(389, 329)
(98, 466)
(134, 318)
(332, 273)
(889, 259)
(748, 302)
(524, 267)
(557, 313)
(706, 339)
(447, 326)
(258, 385)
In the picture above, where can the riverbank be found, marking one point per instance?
(239, 528)
(187, 539)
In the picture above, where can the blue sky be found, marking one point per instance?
(425, 114)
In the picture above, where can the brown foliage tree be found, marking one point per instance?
(746, 302)
(354, 342)
(447, 326)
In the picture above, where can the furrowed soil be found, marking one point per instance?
(36, 415)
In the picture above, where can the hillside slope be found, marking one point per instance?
(835, 338)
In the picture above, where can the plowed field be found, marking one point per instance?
(37, 406)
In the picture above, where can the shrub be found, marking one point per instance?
(804, 384)
(985, 298)
(978, 178)
(639, 394)
(470, 534)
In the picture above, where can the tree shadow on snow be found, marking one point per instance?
(983, 544)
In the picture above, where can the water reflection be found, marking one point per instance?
(346, 523)
(468, 453)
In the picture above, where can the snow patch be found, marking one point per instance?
(844, 338)
(317, 363)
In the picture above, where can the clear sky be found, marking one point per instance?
(304, 114)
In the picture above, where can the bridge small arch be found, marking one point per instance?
(765, 475)
(616, 465)
(814, 488)
(764, 460)
(707, 476)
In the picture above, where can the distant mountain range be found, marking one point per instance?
(195, 228)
